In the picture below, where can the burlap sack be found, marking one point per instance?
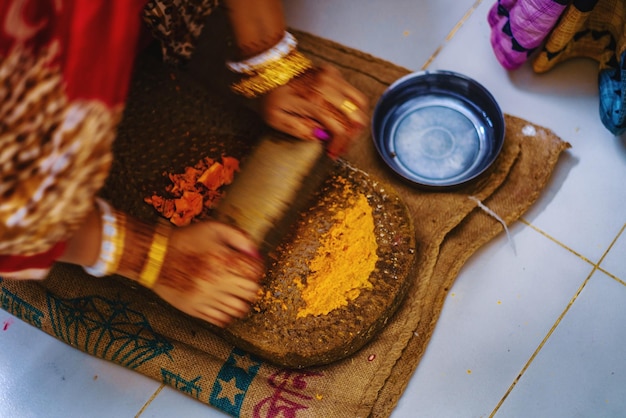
(170, 122)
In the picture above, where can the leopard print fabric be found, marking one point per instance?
(177, 24)
(54, 154)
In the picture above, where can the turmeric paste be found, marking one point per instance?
(344, 260)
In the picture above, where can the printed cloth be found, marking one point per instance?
(520, 26)
(560, 30)
(128, 325)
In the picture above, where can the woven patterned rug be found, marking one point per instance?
(171, 122)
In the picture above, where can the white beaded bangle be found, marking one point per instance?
(113, 234)
(249, 66)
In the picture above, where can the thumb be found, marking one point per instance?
(237, 240)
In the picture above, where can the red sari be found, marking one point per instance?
(65, 68)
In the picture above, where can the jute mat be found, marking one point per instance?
(171, 122)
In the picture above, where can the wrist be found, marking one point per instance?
(249, 66)
(156, 255)
(146, 248)
(270, 69)
(113, 231)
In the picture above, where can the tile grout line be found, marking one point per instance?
(559, 243)
(451, 34)
(149, 401)
(543, 343)
(596, 267)
(617, 279)
(612, 276)
(611, 245)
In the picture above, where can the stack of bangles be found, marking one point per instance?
(112, 248)
(270, 69)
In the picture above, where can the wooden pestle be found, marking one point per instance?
(276, 182)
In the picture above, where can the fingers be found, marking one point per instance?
(322, 106)
(229, 286)
(214, 316)
(218, 301)
(342, 96)
(222, 308)
(222, 314)
(320, 120)
(226, 304)
(235, 239)
(211, 271)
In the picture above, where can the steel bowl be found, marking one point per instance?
(438, 129)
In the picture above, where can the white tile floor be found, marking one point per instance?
(539, 332)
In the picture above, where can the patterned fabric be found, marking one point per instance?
(593, 29)
(597, 30)
(177, 24)
(520, 26)
(61, 98)
(65, 67)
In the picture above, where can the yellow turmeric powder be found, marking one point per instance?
(344, 260)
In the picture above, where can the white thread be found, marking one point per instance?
(355, 169)
(497, 218)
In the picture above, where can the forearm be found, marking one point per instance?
(256, 25)
(84, 245)
(111, 242)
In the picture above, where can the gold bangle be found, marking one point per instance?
(274, 74)
(156, 255)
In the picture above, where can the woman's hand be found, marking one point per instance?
(319, 105)
(211, 271)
